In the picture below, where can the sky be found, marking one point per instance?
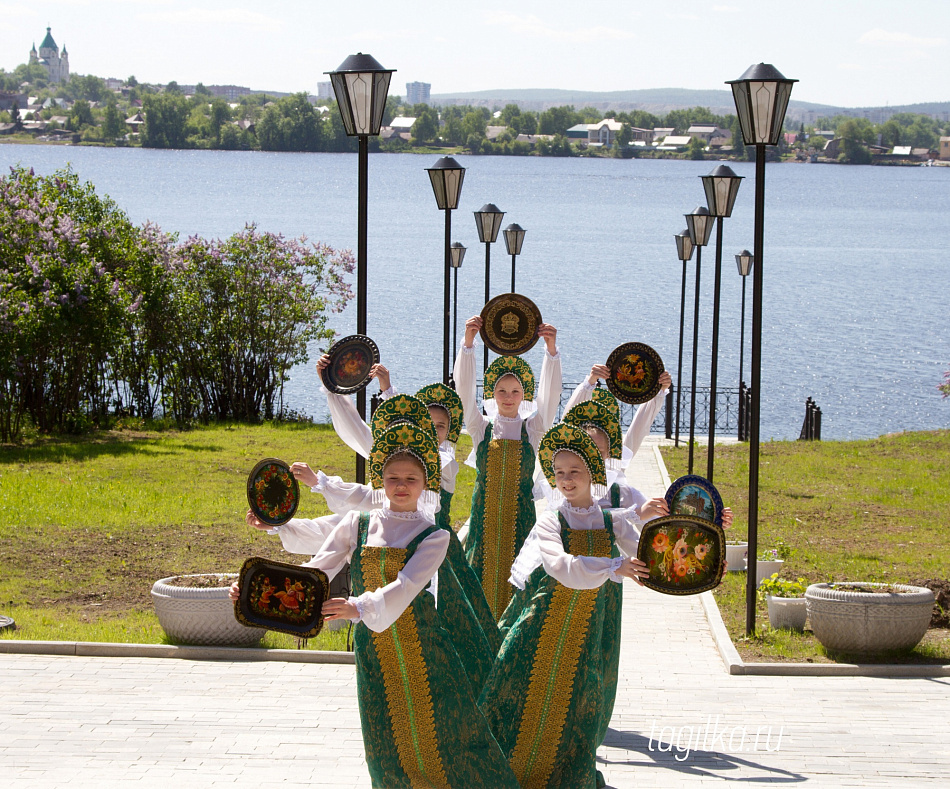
(851, 54)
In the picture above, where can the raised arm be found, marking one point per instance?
(646, 413)
(465, 374)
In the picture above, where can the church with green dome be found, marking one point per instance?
(49, 56)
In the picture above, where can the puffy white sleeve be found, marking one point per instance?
(338, 547)
(343, 497)
(351, 429)
(575, 572)
(627, 525)
(548, 397)
(464, 374)
(581, 394)
(642, 420)
(305, 535)
(381, 607)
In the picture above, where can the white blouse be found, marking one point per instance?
(548, 398)
(642, 419)
(544, 547)
(380, 608)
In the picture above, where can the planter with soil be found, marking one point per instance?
(196, 610)
(868, 617)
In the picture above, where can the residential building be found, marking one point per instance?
(661, 133)
(417, 92)
(325, 90)
(49, 56)
(945, 149)
(672, 142)
(229, 92)
(641, 135)
(577, 132)
(10, 97)
(604, 132)
(706, 132)
(402, 124)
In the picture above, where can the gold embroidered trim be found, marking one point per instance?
(502, 478)
(405, 677)
(555, 665)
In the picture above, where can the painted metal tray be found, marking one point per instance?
(284, 597)
(695, 495)
(351, 359)
(684, 554)
(273, 492)
(635, 370)
(510, 324)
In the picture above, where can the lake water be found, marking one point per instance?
(856, 262)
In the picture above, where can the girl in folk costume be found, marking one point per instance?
(421, 725)
(475, 633)
(550, 693)
(504, 448)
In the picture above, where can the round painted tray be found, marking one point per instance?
(351, 359)
(683, 553)
(284, 597)
(273, 492)
(635, 370)
(695, 495)
(510, 324)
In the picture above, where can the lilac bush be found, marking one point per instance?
(99, 316)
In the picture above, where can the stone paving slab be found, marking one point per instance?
(679, 720)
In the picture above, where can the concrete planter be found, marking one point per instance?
(201, 616)
(767, 569)
(787, 612)
(736, 556)
(869, 621)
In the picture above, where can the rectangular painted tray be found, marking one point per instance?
(286, 598)
(683, 553)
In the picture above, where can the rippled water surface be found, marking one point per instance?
(856, 262)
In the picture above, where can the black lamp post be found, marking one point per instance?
(684, 251)
(361, 85)
(744, 262)
(458, 255)
(488, 222)
(722, 186)
(446, 176)
(699, 224)
(514, 238)
(761, 96)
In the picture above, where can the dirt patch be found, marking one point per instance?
(941, 590)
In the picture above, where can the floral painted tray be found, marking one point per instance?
(510, 324)
(683, 553)
(695, 495)
(273, 492)
(283, 597)
(635, 370)
(351, 359)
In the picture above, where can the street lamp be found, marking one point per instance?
(699, 224)
(721, 186)
(761, 95)
(744, 261)
(514, 238)
(458, 255)
(446, 176)
(488, 222)
(361, 85)
(684, 251)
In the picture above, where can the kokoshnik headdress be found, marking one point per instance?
(605, 398)
(402, 408)
(594, 414)
(405, 437)
(444, 397)
(509, 365)
(572, 439)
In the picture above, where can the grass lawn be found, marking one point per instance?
(874, 510)
(88, 524)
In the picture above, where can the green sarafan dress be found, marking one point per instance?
(551, 692)
(421, 725)
(502, 513)
(466, 576)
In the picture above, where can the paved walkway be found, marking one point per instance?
(680, 719)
